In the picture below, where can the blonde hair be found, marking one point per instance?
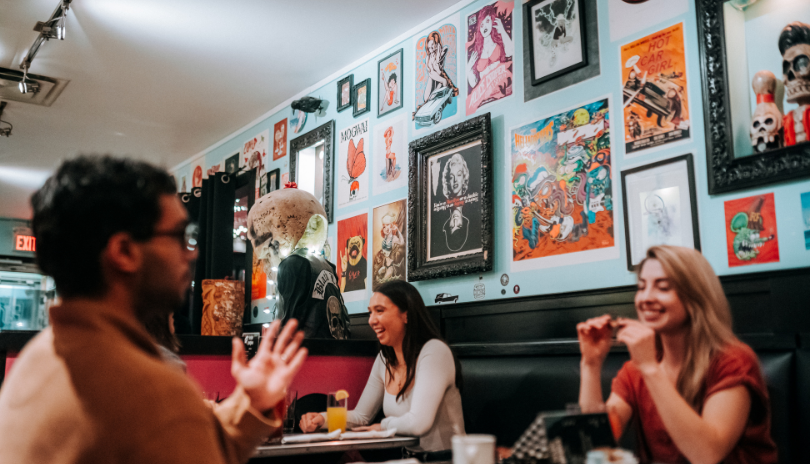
(708, 312)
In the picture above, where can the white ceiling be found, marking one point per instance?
(162, 80)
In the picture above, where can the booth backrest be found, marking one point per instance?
(502, 395)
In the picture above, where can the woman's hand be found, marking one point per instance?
(640, 341)
(498, 25)
(368, 428)
(311, 422)
(595, 336)
(266, 377)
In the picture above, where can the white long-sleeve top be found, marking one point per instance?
(430, 409)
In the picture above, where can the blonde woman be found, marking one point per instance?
(696, 391)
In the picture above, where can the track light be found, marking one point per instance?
(23, 85)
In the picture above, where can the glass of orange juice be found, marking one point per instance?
(336, 410)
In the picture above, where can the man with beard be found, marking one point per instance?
(355, 268)
(92, 387)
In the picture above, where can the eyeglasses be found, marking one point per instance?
(186, 237)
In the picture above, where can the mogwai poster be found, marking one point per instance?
(751, 236)
(388, 243)
(489, 51)
(436, 89)
(562, 189)
(352, 167)
(655, 98)
(280, 139)
(254, 156)
(390, 155)
(352, 253)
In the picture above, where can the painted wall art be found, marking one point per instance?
(489, 52)
(352, 166)
(389, 85)
(557, 31)
(280, 139)
(655, 97)
(806, 218)
(436, 74)
(454, 219)
(389, 243)
(751, 236)
(562, 189)
(352, 251)
(390, 155)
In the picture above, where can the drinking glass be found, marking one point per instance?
(289, 418)
(336, 412)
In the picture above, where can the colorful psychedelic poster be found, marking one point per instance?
(280, 139)
(751, 231)
(390, 155)
(562, 189)
(806, 219)
(655, 100)
(388, 243)
(628, 17)
(254, 156)
(489, 52)
(352, 252)
(352, 167)
(436, 74)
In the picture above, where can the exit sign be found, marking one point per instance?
(25, 243)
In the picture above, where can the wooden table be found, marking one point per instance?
(336, 446)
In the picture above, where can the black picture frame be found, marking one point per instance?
(690, 168)
(725, 172)
(400, 85)
(273, 180)
(355, 99)
(325, 132)
(527, 24)
(232, 164)
(441, 143)
(350, 80)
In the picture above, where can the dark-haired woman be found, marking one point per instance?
(415, 378)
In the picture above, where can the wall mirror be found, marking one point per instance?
(311, 164)
(744, 146)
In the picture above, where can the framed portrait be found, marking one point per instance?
(389, 85)
(273, 179)
(557, 33)
(344, 92)
(232, 164)
(450, 201)
(361, 95)
(755, 93)
(660, 207)
(311, 164)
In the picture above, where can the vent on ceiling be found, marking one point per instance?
(49, 87)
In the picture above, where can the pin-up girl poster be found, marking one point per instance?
(489, 55)
(390, 155)
(436, 74)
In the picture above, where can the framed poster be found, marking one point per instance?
(280, 139)
(232, 164)
(436, 74)
(273, 179)
(388, 243)
(655, 97)
(450, 201)
(660, 205)
(344, 93)
(561, 189)
(390, 154)
(557, 33)
(751, 236)
(361, 94)
(352, 251)
(389, 85)
(352, 175)
(489, 50)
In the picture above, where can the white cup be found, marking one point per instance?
(474, 449)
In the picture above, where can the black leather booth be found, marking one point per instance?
(507, 384)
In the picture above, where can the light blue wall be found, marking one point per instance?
(513, 111)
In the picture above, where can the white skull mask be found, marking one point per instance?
(796, 63)
(282, 221)
(765, 126)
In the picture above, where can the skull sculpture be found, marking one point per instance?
(766, 124)
(284, 221)
(794, 44)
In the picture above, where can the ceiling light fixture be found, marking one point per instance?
(53, 28)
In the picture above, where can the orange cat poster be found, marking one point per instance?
(655, 100)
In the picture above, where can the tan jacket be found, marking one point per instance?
(93, 389)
